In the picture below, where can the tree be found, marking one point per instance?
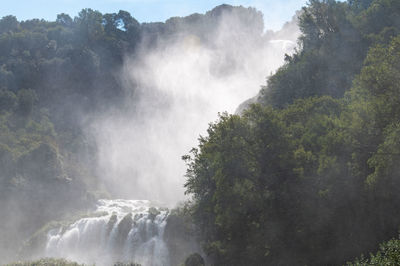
(9, 24)
(89, 25)
(64, 20)
(331, 54)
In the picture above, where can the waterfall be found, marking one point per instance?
(120, 230)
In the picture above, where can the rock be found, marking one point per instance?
(194, 259)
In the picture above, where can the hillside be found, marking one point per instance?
(308, 176)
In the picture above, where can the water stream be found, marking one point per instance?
(120, 230)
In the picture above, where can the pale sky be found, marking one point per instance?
(276, 12)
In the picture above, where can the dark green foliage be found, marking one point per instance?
(314, 181)
(388, 254)
(254, 187)
(333, 45)
(227, 178)
(380, 21)
(8, 24)
(66, 61)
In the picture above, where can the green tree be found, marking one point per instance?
(9, 24)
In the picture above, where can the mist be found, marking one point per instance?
(176, 86)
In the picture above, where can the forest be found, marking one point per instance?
(306, 175)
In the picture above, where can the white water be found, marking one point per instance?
(98, 240)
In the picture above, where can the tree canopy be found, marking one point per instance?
(308, 175)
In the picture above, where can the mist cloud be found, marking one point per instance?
(177, 87)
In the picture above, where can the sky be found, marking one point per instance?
(276, 12)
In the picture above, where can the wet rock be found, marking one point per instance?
(194, 259)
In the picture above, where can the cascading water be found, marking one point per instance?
(121, 230)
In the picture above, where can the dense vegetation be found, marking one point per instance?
(49, 77)
(388, 254)
(309, 175)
